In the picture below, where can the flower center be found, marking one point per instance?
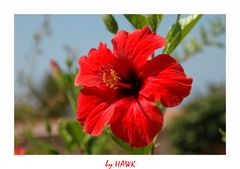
(111, 79)
(132, 79)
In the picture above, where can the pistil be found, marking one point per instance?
(124, 85)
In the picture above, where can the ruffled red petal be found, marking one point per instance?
(136, 121)
(90, 66)
(112, 82)
(95, 109)
(136, 46)
(165, 80)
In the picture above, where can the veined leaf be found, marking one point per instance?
(179, 31)
(110, 23)
(137, 20)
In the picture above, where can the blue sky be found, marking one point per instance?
(86, 31)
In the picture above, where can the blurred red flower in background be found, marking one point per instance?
(122, 86)
(55, 69)
(19, 151)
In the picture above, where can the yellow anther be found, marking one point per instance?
(110, 78)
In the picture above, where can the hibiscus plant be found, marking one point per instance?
(123, 92)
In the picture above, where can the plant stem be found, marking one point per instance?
(153, 145)
(152, 152)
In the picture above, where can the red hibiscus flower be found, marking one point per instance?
(121, 87)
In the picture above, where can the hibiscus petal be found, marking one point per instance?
(165, 80)
(136, 46)
(137, 121)
(90, 66)
(95, 109)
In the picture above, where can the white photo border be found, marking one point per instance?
(11, 7)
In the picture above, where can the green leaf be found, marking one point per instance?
(137, 20)
(154, 21)
(90, 144)
(179, 31)
(145, 150)
(72, 92)
(44, 145)
(72, 135)
(72, 99)
(110, 23)
(66, 138)
(76, 132)
(175, 29)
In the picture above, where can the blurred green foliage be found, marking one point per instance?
(49, 101)
(196, 130)
(43, 32)
(38, 146)
(73, 137)
(208, 37)
(138, 21)
(223, 133)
